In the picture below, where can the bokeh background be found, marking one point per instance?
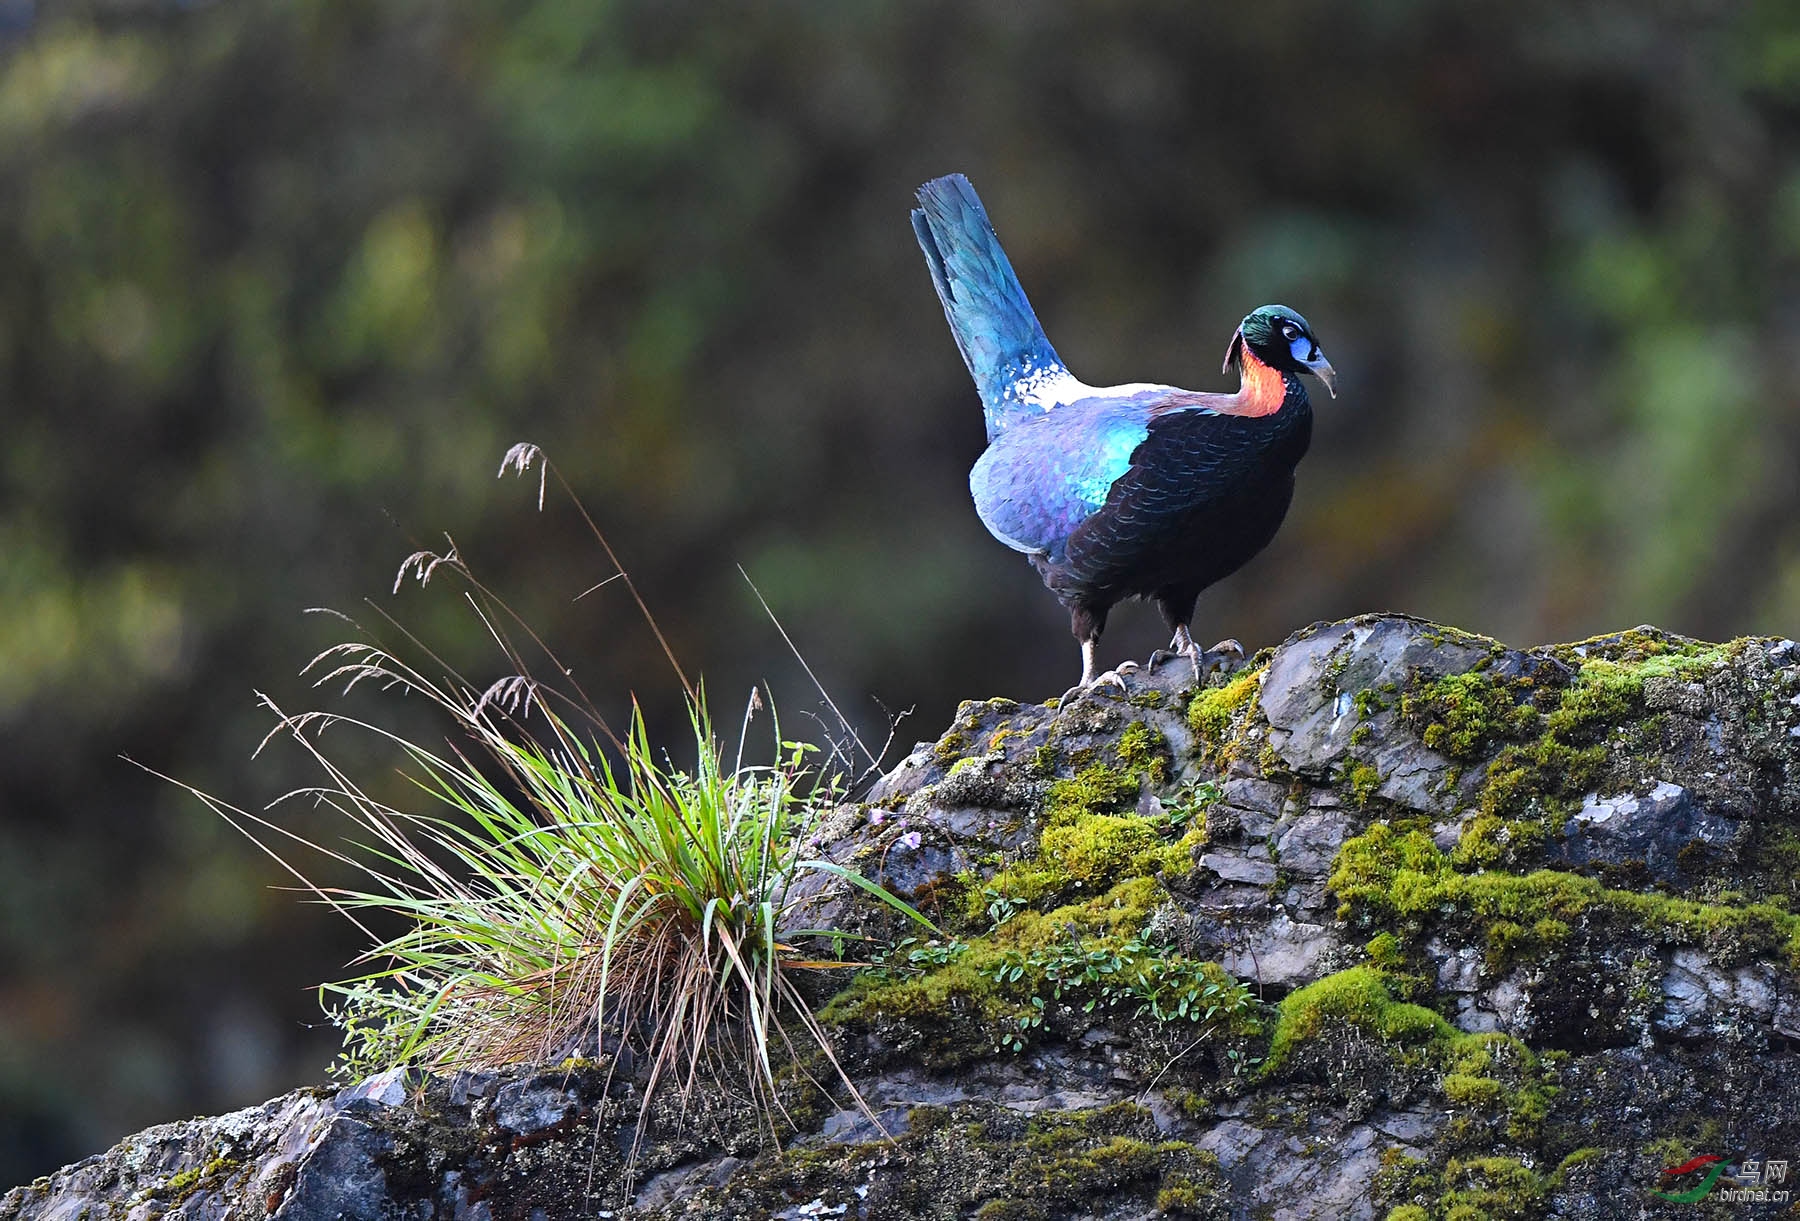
(280, 282)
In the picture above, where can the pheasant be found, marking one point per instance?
(1117, 492)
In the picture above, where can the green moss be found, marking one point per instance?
(1121, 911)
(993, 995)
(1089, 888)
(1010, 1210)
(1588, 1153)
(1486, 1188)
(1120, 1158)
(1191, 1103)
(1466, 715)
(1093, 852)
(1088, 842)
(1214, 713)
(1543, 736)
(982, 1160)
(1097, 848)
(951, 747)
(1401, 878)
(1471, 1091)
(1490, 1189)
(185, 1184)
(1178, 859)
(1360, 781)
(958, 1010)
(1358, 996)
(1150, 697)
(1494, 1076)
(1384, 950)
(1086, 845)
(1142, 751)
(1094, 789)
(1206, 1194)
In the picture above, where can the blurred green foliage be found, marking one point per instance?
(284, 280)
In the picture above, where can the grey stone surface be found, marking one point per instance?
(1786, 1018)
(1659, 829)
(1307, 846)
(1260, 796)
(1458, 967)
(1285, 1178)
(1696, 991)
(1280, 952)
(1233, 867)
(1310, 699)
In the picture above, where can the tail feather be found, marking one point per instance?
(998, 334)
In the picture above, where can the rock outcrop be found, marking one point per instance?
(1393, 921)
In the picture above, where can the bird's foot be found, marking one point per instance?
(1162, 657)
(1112, 678)
(1181, 646)
(1225, 656)
(1226, 650)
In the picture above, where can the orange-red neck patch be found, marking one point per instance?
(1262, 388)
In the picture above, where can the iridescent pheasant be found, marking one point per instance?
(1116, 492)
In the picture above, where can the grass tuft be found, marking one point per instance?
(563, 890)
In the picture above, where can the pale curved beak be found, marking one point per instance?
(1321, 368)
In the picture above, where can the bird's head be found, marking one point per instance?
(1283, 340)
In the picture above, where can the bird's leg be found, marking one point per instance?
(1176, 605)
(1090, 677)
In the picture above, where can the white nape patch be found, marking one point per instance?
(1050, 388)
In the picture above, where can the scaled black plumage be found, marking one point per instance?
(1116, 492)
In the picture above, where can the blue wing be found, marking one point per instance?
(995, 328)
(1043, 478)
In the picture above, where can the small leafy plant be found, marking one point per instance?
(1106, 973)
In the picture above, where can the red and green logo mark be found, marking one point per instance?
(1712, 1163)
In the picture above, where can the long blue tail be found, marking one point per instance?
(1000, 338)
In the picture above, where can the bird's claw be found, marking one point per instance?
(1221, 656)
(1162, 657)
(1112, 678)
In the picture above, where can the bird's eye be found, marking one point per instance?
(1289, 331)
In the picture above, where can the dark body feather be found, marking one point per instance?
(1203, 494)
